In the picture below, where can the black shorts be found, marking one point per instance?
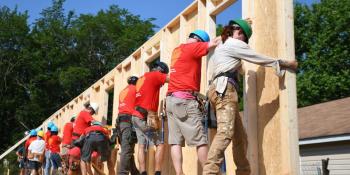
(95, 142)
(22, 164)
(34, 165)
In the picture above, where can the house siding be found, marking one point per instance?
(338, 153)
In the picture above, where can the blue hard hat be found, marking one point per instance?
(32, 132)
(54, 128)
(203, 35)
(50, 124)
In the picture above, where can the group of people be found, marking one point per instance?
(41, 152)
(85, 143)
(138, 120)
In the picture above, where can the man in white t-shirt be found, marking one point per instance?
(36, 153)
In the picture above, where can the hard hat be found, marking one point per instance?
(203, 35)
(54, 128)
(50, 124)
(96, 123)
(41, 133)
(132, 80)
(162, 66)
(94, 106)
(33, 132)
(247, 29)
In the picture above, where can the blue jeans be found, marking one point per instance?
(55, 160)
(47, 163)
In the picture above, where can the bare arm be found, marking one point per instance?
(292, 64)
(214, 42)
(167, 79)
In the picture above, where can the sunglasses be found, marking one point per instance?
(236, 26)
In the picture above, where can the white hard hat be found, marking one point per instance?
(94, 106)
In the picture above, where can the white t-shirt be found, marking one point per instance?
(38, 147)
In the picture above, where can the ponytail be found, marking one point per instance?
(227, 32)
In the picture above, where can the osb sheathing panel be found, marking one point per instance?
(273, 145)
(267, 89)
(276, 127)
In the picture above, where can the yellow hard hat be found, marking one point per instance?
(40, 133)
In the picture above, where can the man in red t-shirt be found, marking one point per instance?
(145, 118)
(47, 166)
(127, 135)
(84, 120)
(54, 147)
(67, 142)
(184, 116)
(96, 140)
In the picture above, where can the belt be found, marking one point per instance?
(142, 110)
(76, 134)
(124, 118)
(227, 74)
(95, 132)
(194, 93)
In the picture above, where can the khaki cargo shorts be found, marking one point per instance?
(185, 122)
(144, 134)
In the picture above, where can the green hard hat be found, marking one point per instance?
(247, 29)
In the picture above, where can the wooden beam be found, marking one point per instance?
(220, 7)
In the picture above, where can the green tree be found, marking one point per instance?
(322, 35)
(14, 33)
(46, 65)
(104, 40)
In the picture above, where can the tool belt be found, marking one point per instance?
(200, 98)
(229, 74)
(142, 111)
(153, 121)
(232, 78)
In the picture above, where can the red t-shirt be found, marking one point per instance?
(96, 128)
(147, 91)
(83, 121)
(54, 144)
(185, 69)
(127, 100)
(46, 139)
(67, 133)
(75, 152)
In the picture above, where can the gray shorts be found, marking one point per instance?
(95, 142)
(185, 122)
(145, 135)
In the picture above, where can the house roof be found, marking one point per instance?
(325, 119)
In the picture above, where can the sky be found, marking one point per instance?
(163, 10)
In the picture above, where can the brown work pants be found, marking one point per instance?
(230, 129)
